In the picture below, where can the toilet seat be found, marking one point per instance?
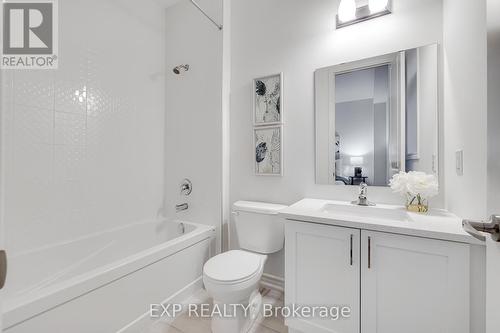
(233, 267)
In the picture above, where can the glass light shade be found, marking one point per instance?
(377, 5)
(347, 10)
(357, 160)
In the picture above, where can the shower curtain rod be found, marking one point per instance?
(219, 26)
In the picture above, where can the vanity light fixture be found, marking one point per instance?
(377, 6)
(349, 13)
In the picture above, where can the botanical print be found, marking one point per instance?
(268, 151)
(267, 97)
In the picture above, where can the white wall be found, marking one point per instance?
(411, 95)
(193, 133)
(465, 105)
(493, 106)
(493, 12)
(81, 164)
(426, 101)
(296, 37)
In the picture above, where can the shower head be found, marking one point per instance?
(177, 70)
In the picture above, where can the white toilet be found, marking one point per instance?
(233, 277)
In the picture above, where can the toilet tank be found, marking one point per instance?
(258, 226)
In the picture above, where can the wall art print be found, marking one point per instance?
(268, 150)
(268, 100)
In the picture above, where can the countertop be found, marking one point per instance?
(436, 224)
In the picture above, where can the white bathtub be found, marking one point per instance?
(104, 282)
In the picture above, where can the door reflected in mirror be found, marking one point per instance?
(376, 117)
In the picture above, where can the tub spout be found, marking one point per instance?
(181, 207)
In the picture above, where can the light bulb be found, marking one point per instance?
(377, 5)
(347, 10)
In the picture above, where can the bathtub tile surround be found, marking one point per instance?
(75, 154)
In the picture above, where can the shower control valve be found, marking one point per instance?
(186, 187)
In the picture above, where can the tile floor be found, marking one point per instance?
(186, 324)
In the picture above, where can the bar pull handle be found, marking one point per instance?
(3, 268)
(369, 252)
(350, 251)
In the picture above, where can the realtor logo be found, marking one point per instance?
(29, 34)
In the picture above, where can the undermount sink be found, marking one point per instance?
(371, 212)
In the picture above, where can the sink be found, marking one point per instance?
(438, 224)
(366, 212)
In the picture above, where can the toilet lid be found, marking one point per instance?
(233, 266)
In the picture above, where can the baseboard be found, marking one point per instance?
(143, 322)
(273, 282)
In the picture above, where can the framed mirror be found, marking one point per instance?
(376, 117)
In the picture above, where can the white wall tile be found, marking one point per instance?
(33, 124)
(84, 143)
(70, 128)
(34, 88)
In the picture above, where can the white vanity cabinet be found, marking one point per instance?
(413, 285)
(395, 284)
(322, 267)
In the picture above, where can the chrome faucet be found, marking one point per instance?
(181, 207)
(362, 198)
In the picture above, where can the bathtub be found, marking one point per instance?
(104, 282)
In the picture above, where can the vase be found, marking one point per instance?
(417, 203)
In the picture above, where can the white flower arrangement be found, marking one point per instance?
(417, 186)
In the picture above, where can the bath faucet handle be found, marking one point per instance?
(186, 187)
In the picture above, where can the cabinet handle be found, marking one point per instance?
(369, 252)
(350, 251)
(3, 268)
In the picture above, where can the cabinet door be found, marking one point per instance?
(322, 269)
(413, 285)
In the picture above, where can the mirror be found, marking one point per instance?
(376, 117)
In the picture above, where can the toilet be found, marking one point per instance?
(233, 277)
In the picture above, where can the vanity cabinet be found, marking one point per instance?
(413, 285)
(393, 283)
(322, 267)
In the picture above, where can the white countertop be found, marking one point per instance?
(437, 224)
